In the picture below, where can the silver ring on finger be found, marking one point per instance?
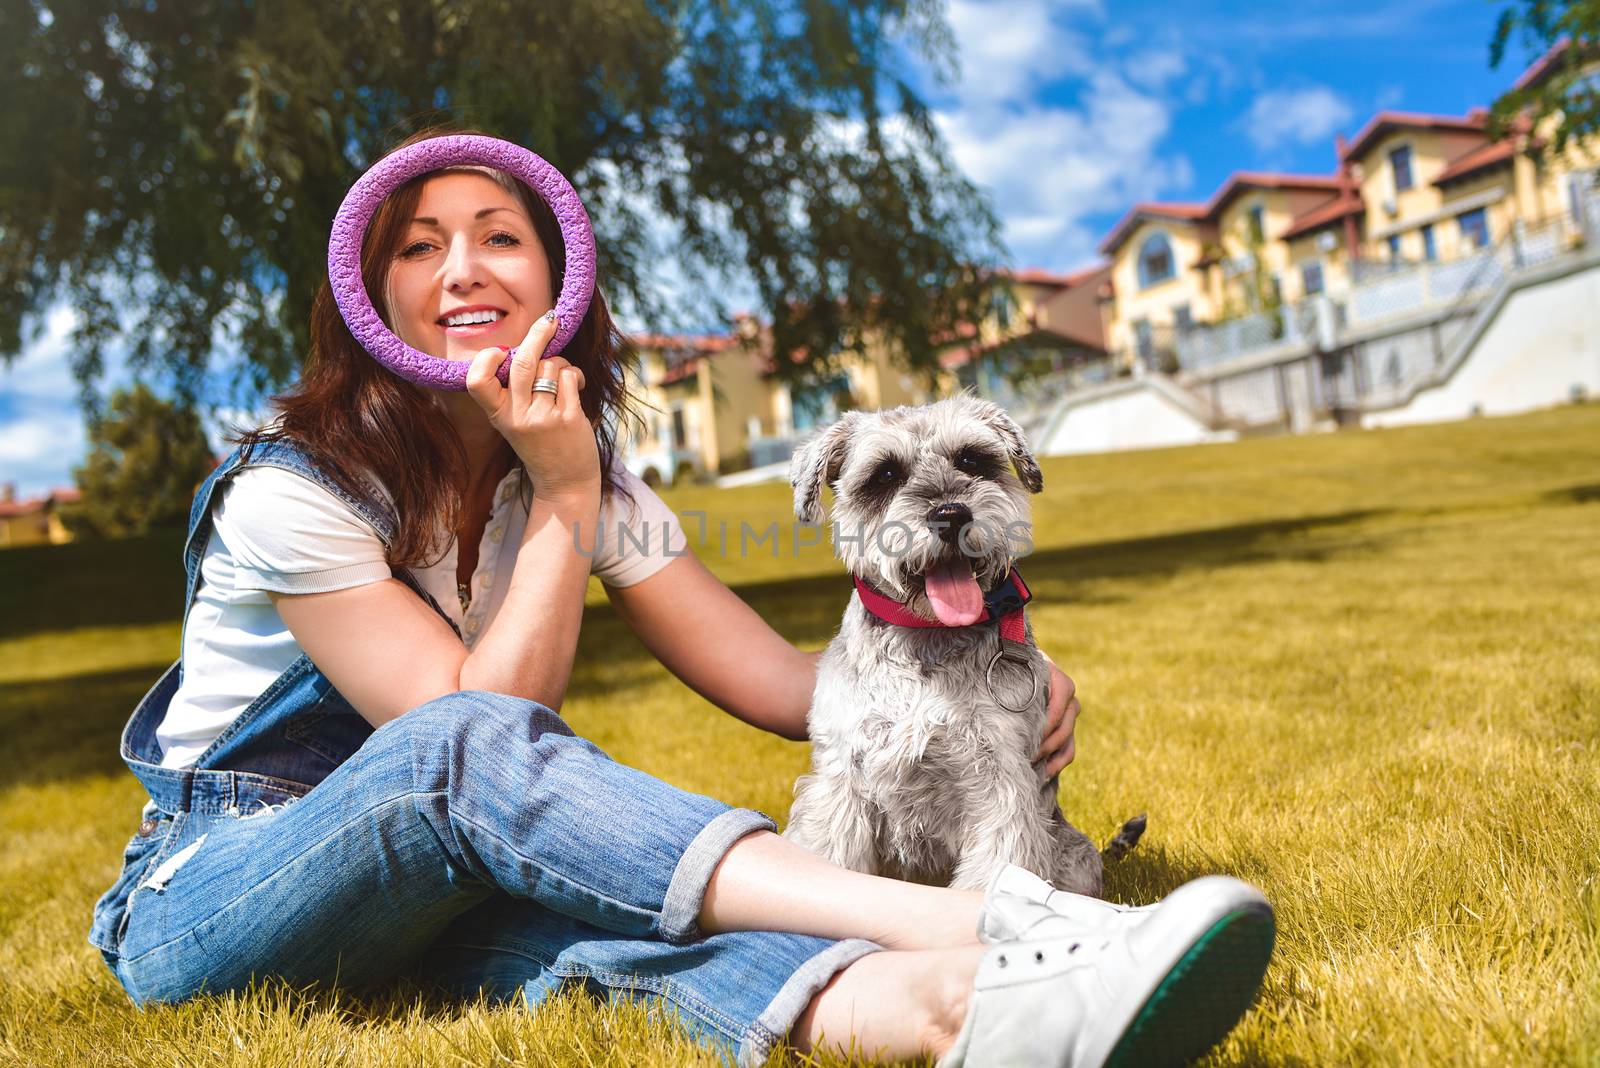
(545, 385)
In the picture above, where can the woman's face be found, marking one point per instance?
(469, 253)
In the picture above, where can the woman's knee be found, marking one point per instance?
(467, 716)
(471, 732)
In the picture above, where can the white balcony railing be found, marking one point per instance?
(1383, 294)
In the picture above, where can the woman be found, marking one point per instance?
(357, 771)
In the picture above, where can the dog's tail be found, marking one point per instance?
(1125, 839)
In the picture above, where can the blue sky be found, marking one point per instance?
(1066, 111)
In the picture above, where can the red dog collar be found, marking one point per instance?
(1003, 603)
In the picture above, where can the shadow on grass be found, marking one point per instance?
(1580, 494)
(807, 610)
(73, 723)
(68, 728)
(1152, 871)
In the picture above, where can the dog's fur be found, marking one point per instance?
(917, 772)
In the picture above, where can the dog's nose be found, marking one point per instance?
(948, 519)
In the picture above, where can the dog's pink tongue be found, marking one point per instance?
(954, 594)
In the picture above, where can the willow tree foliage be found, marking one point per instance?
(169, 168)
(1569, 31)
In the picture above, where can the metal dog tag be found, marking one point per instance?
(1017, 653)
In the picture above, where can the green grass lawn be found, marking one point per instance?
(1361, 670)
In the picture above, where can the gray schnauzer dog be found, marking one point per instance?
(925, 716)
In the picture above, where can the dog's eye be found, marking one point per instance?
(885, 474)
(975, 462)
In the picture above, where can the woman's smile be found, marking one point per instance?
(471, 320)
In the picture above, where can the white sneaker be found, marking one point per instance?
(1020, 905)
(1160, 991)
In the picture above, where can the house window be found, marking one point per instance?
(1143, 340)
(1183, 318)
(1311, 277)
(1394, 248)
(820, 402)
(1430, 248)
(1258, 226)
(680, 434)
(1001, 303)
(1400, 164)
(1474, 227)
(1155, 260)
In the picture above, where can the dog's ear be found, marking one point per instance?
(1016, 443)
(817, 461)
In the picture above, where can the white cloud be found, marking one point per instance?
(1009, 47)
(1389, 96)
(1153, 68)
(1049, 167)
(41, 426)
(1060, 113)
(41, 430)
(39, 445)
(1304, 116)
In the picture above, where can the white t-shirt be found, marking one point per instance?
(277, 530)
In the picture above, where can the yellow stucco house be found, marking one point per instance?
(36, 521)
(1154, 287)
(1409, 188)
(720, 408)
(1051, 322)
(713, 404)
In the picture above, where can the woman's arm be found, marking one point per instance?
(387, 652)
(718, 645)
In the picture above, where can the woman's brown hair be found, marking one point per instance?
(354, 417)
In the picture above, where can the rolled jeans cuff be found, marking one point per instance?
(778, 1018)
(680, 909)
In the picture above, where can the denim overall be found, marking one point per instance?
(283, 744)
(474, 842)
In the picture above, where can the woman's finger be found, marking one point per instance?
(525, 366)
(571, 392)
(1062, 759)
(482, 382)
(542, 401)
(1053, 741)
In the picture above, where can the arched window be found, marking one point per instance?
(1156, 263)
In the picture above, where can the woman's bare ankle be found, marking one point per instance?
(947, 997)
(894, 1004)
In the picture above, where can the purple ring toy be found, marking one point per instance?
(387, 175)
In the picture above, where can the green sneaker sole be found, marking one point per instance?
(1204, 995)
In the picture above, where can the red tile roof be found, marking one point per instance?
(956, 357)
(1544, 66)
(1241, 180)
(1041, 277)
(1492, 154)
(13, 509)
(1324, 214)
(680, 372)
(691, 342)
(1472, 122)
(1148, 209)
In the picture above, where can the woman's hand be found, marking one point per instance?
(550, 432)
(1061, 716)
